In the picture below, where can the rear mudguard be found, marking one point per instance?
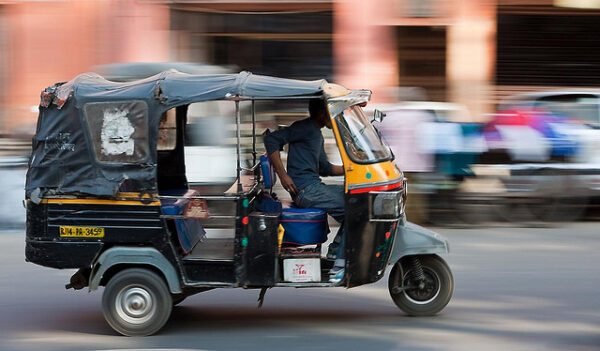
(134, 256)
(412, 239)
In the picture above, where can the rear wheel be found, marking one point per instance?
(136, 302)
(425, 295)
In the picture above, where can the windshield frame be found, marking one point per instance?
(337, 120)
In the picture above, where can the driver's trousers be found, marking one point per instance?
(329, 198)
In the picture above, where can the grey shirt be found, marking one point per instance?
(307, 159)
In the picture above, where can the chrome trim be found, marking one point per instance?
(209, 217)
(205, 197)
(374, 184)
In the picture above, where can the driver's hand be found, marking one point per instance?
(288, 185)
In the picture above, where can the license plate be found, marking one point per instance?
(81, 232)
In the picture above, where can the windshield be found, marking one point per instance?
(361, 141)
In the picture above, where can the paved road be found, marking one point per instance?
(516, 289)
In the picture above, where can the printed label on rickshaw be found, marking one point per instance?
(81, 232)
(197, 208)
(300, 270)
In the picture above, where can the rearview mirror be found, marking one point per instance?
(378, 116)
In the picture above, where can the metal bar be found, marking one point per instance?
(237, 124)
(205, 197)
(253, 132)
(210, 217)
(253, 188)
(253, 168)
(386, 220)
(306, 285)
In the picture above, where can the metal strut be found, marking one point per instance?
(261, 296)
(239, 166)
(417, 269)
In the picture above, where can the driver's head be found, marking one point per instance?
(318, 112)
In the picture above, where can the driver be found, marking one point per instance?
(307, 161)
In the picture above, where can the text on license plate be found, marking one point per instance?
(81, 232)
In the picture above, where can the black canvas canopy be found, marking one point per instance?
(93, 134)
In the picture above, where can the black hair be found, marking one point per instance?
(316, 106)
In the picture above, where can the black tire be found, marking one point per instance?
(136, 302)
(432, 297)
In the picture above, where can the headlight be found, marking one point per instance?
(387, 205)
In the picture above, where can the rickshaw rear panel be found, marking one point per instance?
(70, 233)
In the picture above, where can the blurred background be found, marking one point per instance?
(493, 107)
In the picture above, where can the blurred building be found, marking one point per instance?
(43, 42)
(472, 52)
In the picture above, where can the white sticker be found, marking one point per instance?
(116, 133)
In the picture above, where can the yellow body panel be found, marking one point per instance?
(124, 199)
(357, 173)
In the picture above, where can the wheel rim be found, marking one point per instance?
(135, 304)
(430, 290)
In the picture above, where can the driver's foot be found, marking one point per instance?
(336, 274)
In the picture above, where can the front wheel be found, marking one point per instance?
(136, 302)
(421, 295)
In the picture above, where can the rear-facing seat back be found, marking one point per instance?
(268, 172)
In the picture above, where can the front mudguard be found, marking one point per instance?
(412, 239)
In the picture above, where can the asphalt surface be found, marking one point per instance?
(516, 289)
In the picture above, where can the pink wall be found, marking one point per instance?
(366, 55)
(364, 51)
(50, 42)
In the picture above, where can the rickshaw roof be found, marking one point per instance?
(173, 88)
(96, 136)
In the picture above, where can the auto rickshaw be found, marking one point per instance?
(107, 194)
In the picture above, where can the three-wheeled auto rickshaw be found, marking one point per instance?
(107, 194)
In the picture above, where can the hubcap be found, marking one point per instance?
(425, 291)
(135, 304)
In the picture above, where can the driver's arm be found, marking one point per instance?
(326, 168)
(274, 142)
(337, 170)
(286, 180)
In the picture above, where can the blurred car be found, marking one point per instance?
(439, 111)
(434, 143)
(582, 105)
(430, 136)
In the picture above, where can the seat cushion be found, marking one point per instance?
(304, 226)
(189, 231)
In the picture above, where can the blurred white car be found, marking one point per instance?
(582, 105)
